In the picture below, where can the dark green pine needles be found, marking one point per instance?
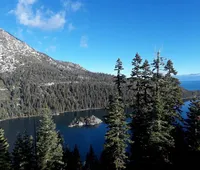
(4, 154)
(48, 146)
(24, 153)
(193, 126)
(117, 136)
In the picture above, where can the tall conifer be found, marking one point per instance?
(5, 163)
(23, 153)
(117, 136)
(91, 162)
(142, 107)
(48, 146)
(161, 139)
(193, 126)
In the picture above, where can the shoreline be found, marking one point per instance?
(58, 113)
(54, 114)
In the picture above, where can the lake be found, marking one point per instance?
(83, 136)
(191, 85)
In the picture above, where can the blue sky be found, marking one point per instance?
(94, 33)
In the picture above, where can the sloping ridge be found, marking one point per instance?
(31, 81)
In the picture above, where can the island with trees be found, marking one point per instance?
(85, 121)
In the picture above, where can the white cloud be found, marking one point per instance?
(70, 27)
(72, 6)
(41, 18)
(76, 6)
(84, 42)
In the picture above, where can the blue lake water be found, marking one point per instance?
(83, 136)
(191, 85)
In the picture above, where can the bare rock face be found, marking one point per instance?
(87, 121)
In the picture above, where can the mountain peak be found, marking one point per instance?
(15, 53)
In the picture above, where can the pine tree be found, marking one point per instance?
(91, 160)
(117, 136)
(5, 163)
(120, 78)
(23, 153)
(193, 126)
(161, 140)
(68, 159)
(173, 90)
(48, 146)
(76, 159)
(142, 107)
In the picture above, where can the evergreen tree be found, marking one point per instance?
(23, 153)
(76, 159)
(5, 163)
(48, 146)
(173, 90)
(117, 136)
(142, 108)
(179, 154)
(120, 78)
(161, 140)
(91, 160)
(193, 133)
(193, 126)
(68, 159)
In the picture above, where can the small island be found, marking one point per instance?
(85, 121)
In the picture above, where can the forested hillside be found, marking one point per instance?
(28, 91)
(30, 81)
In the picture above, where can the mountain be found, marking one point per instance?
(189, 77)
(31, 80)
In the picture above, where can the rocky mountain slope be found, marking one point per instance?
(15, 53)
(30, 81)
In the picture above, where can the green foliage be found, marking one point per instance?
(120, 78)
(67, 158)
(23, 153)
(91, 162)
(193, 126)
(156, 108)
(48, 146)
(141, 85)
(30, 87)
(4, 154)
(76, 159)
(72, 160)
(117, 136)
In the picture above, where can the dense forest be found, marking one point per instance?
(26, 91)
(157, 136)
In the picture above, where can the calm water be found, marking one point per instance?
(84, 136)
(191, 85)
